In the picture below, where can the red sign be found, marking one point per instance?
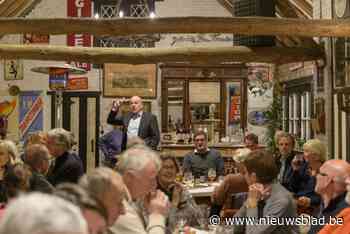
(29, 38)
(77, 83)
(79, 8)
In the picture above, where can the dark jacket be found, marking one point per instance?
(68, 168)
(148, 129)
(39, 183)
(112, 143)
(335, 207)
(299, 182)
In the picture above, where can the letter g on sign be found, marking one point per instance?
(79, 3)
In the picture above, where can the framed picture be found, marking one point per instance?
(13, 69)
(125, 80)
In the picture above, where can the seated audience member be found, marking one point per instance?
(330, 184)
(344, 227)
(265, 197)
(67, 166)
(16, 181)
(233, 184)
(139, 167)
(287, 171)
(38, 137)
(251, 141)
(202, 158)
(5, 164)
(93, 212)
(37, 157)
(314, 154)
(39, 213)
(106, 186)
(112, 144)
(182, 203)
(276, 137)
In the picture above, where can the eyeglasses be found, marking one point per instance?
(322, 174)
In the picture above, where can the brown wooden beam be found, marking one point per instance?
(127, 26)
(154, 55)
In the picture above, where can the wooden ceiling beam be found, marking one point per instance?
(127, 26)
(275, 55)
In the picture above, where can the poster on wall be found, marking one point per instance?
(259, 80)
(80, 9)
(31, 38)
(234, 102)
(8, 118)
(31, 117)
(13, 69)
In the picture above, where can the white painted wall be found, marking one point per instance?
(169, 8)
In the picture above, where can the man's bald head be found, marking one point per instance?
(136, 104)
(331, 178)
(337, 168)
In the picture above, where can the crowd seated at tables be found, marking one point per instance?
(141, 193)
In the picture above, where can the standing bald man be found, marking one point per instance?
(136, 122)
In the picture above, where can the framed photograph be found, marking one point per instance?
(126, 80)
(13, 69)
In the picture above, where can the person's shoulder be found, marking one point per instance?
(281, 194)
(189, 154)
(215, 152)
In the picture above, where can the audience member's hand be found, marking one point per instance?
(177, 192)
(158, 203)
(297, 162)
(304, 201)
(255, 192)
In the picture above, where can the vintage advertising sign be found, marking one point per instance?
(30, 113)
(30, 38)
(58, 78)
(79, 8)
(76, 83)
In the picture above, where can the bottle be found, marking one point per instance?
(190, 137)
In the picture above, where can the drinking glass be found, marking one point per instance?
(211, 174)
(188, 178)
(179, 176)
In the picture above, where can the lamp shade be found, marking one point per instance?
(58, 74)
(69, 68)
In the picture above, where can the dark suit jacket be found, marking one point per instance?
(148, 130)
(68, 168)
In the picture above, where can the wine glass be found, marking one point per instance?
(188, 178)
(211, 174)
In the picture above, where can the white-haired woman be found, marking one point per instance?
(8, 156)
(315, 154)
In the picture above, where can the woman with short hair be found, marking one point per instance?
(182, 203)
